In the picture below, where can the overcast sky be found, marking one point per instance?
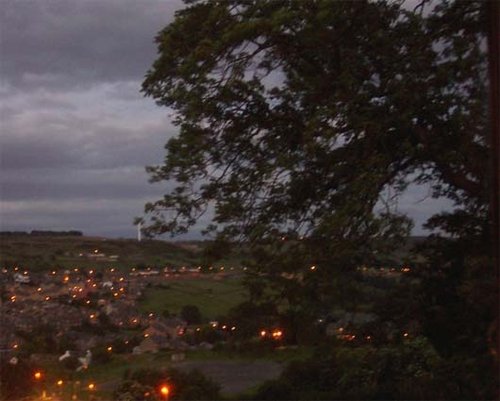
(76, 133)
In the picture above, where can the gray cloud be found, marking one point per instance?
(74, 43)
(76, 132)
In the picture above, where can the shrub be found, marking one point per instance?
(191, 314)
(191, 385)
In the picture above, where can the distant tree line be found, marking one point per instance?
(41, 233)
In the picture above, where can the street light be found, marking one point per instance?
(164, 391)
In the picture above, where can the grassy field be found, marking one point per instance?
(213, 296)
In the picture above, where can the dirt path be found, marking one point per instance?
(235, 376)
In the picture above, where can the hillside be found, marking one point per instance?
(45, 252)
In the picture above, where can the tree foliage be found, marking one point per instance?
(297, 119)
(411, 370)
(295, 115)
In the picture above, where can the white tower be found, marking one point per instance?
(139, 232)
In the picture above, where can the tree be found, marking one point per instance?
(296, 117)
(295, 120)
(288, 109)
(191, 314)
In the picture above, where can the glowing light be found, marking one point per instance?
(263, 333)
(92, 316)
(313, 267)
(146, 335)
(47, 298)
(164, 391)
(121, 279)
(66, 279)
(15, 346)
(37, 375)
(233, 328)
(91, 386)
(39, 289)
(277, 334)
(60, 382)
(405, 335)
(110, 349)
(13, 298)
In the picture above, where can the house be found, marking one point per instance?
(21, 278)
(163, 334)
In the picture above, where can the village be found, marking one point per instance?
(71, 322)
(74, 302)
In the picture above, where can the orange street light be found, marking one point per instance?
(164, 391)
(60, 382)
(277, 334)
(37, 375)
(91, 386)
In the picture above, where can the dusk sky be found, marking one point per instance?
(76, 133)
